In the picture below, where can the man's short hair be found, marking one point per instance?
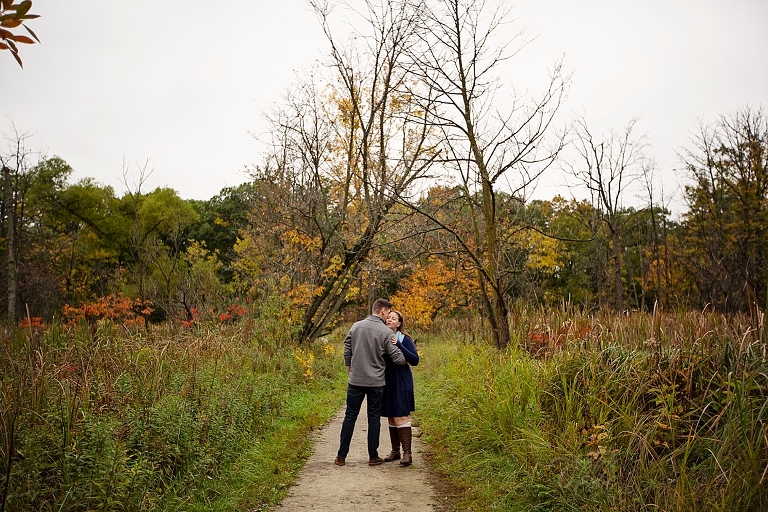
(379, 305)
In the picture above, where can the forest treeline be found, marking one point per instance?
(397, 168)
(275, 242)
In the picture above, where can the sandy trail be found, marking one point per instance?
(322, 485)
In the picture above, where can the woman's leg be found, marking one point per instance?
(399, 420)
(405, 434)
(394, 438)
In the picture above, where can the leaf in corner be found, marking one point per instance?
(32, 34)
(10, 23)
(23, 39)
(24, 7)
(18, 59)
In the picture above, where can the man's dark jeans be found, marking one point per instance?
(355, 395)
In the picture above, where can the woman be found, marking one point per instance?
(398, 401)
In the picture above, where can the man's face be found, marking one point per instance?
(384, 313)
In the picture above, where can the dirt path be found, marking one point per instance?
(324, 486)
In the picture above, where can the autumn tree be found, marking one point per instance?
(346, 146)
(577, 276)
(433, 286)
(89, 232)
(726, 227)
(40, 286)
(660, 224)
(492, 143)
(646, 260)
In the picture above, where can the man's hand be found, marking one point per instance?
(347, 369)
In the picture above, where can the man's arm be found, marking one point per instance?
(348, 350)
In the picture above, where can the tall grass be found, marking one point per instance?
(213, 418)
(602, 412)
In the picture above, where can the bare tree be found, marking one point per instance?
(16, 161)
(137, 238)
(659, 211)
(607, 168)
(496, 144)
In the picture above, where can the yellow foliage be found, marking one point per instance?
(305, 359)
(300, 240)
(543, 252)
(334, 266)
(352, 293)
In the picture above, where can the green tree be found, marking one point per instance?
(563, 257)
(156, 243)
(220, 221)
(74, 237)
(725, 240)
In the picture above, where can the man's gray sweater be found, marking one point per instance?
(364, 348)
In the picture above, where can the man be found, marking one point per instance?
(364, 348)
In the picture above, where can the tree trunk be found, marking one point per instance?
(617, 271)
(11, 236)
(502, 336)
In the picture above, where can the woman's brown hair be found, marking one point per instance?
(401, 327)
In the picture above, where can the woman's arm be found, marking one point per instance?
(408, 348)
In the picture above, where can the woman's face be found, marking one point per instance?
(393, 322)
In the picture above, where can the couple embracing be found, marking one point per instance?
(378, 355)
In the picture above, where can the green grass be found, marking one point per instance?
(603, 412)
(585, 412)
(209, 419)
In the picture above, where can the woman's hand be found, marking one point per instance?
(394, 340)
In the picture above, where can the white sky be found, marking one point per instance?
(183, 83)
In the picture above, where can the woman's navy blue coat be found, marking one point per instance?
(398, 392)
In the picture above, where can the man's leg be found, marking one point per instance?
(374, 420)
(355, 395)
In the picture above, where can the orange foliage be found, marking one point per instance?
(234, 312)
(192, 319)
(36, 323)
(431, 288)
(117, 308)
(543, 340)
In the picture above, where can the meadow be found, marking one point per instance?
(114, 418)
(592, 412)
(601, 412)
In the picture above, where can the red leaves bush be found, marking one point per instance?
(117, 308)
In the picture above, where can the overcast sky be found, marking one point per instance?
(184, 83)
